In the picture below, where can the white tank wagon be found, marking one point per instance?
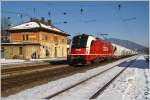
(131, 52)
(120, 51)
(134, 52)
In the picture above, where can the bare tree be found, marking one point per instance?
(5, 24)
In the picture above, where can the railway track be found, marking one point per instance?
(18, 71)
(24, 77)
(82, 82)
(101, 90)
(17, 79)
(12, 83)
(7, 69)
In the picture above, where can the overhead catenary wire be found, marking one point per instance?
(118, 9)
(124, 20)
(16, 13)
(19, 14)
(82, 11)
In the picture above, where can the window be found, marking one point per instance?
(23, 36)
(46, 38)
(27, 37)
(55, 39)
(63, 41)
(20, 50)
(2, 49)
(92, 43)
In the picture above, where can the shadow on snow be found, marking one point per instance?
(59, 62)
(139, 63)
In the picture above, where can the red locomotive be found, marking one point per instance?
(86, 48)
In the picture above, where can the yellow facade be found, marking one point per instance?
(38, 44)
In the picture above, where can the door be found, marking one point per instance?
(55, 51)
(2, 52)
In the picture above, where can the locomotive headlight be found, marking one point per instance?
(87, 51)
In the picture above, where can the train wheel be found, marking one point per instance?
(109, 59)
(70, 64)
(92, 62)
(95, 61)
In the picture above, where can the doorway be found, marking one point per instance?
(55, 51)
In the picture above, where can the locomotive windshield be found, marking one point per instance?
(79, 41)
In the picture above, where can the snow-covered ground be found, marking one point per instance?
(87, 89)
(11, 61)
(126, 87)
(133, 84)
(20, 61)
(54, 86)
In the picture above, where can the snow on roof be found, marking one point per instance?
(28, 25)
(51, 28)
(31, 25)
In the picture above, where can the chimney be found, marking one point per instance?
(42, 20)
(31, 19)
(49, 22)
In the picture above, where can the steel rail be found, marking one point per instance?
(29, 71)
(72, 86)
(12, 82)
(101, 90)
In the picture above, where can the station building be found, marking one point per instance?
(35, 39)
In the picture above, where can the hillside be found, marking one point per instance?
(127, 44)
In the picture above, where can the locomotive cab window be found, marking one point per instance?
(92, 43)
(79, 41)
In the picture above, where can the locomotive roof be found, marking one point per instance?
(84, 35)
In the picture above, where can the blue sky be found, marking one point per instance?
(130, 21)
